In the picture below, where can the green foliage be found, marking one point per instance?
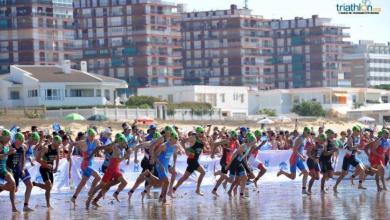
(197, 108)
(309, 108)
(144, 106)
(137, 101)
(268, 112)
(383, 86)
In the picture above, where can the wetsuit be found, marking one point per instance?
(237, 165)
(87, 163)
(48, 157)
(227, 154)
(113, 170)
(14, 164)
(382, 150)
(350, 156)
(3, 163)
(193, 156)
(295, 160)
(107, 155)
(315, 152)
(326, 160)
(164, 158)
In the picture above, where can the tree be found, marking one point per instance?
(268, 112)
(383, 86)
(142, 101)
(309, 108)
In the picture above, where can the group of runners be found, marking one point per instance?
(238, 150)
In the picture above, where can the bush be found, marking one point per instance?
(309, 108)
(197, 108)
(268, 112)
(144, 106)
(137, 101)
(383, 86)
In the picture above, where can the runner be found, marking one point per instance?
(253, 161)
(326, 158)
(16, 162)
(198, 142)
(313, 153)
(5, 151)
(377, 158)
(87, 148)
(113, 174)
(46, 158)
(297, 158)
(350, 159)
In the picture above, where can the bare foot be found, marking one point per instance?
(279, 173)
(361, 187)
(199, 192)
(130, 194)
(143, 194)
(27, 209)
(87, 203)
(115, 195)
(73, 200)
(171, 194)
(352, 181)
(230, 193)
(224, 184)
(214, 192)
(335, 189)
(255, 181)
(235, 191)
(15, 211)
(94, 203)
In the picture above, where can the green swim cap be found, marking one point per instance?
(35, 136)
(91, 132)
(258, 133)
(380, 133)
(120, 138)
(117, 135)
(6, 133)
(329, 132)
(19, 136)
(199, 130)
(233, 134)
(168, 129)
(356, 128)
(156, 135)
(57, 139)
(322, 137)
(174, 135)
(251, 137)
(306, 130)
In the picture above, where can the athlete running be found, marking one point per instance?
(253, 161)
(326, 158)
(377, 158)
(313, 153)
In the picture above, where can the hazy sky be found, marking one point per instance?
(365, 27)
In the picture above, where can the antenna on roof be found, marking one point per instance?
(246, 4)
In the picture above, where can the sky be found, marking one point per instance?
(363, 27)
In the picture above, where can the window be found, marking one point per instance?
(98, 93)
(14, 95)
(33, 93)
(242, 98)
(107, 94)
(52, 94)
(222, 96)
(81, 93)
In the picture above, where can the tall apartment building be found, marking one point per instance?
(307, 52)
(226, 47)
(35, 32)
(134, 40)
(369, 62)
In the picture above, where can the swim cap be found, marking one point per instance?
(250, 137)
(356, 128)
(35, 136)
(19, 136)
(233, 134)
(322, 137)
(156, 135)
(306, 130)
(380, 133)
(120, 138)
(6, 133)
(91, 132)
(258, 133)
(329, 132)
(57, 139)
(199, 130)
(244, 129)
(117, 135)
(174, 135)
(168, 129)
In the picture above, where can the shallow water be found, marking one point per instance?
(272, 201)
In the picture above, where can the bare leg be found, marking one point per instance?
(259, 175)
(341, 177)
(181, 181)
(80, 186)
(200, 179)
(172, 181)
(288, 175)
(121, 186)
(95, 181)
(27, 195)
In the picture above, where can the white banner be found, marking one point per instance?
(273, 161)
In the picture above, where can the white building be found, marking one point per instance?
(35, 85)
(231, 100)
(337, 99)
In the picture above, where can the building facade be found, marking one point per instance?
(369, 62)
(232, 101)
(226, 47)
(36, 85)
(307, 52)
(134, 40)
(35, 32)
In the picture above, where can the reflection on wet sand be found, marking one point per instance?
(274, 201)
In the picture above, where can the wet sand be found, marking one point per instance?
(273, 200)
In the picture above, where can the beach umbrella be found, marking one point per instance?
(97, 117)
(284, 119)
(265, 121)
(74, 117)
(366, 119)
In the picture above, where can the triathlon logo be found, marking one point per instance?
(365, 7)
